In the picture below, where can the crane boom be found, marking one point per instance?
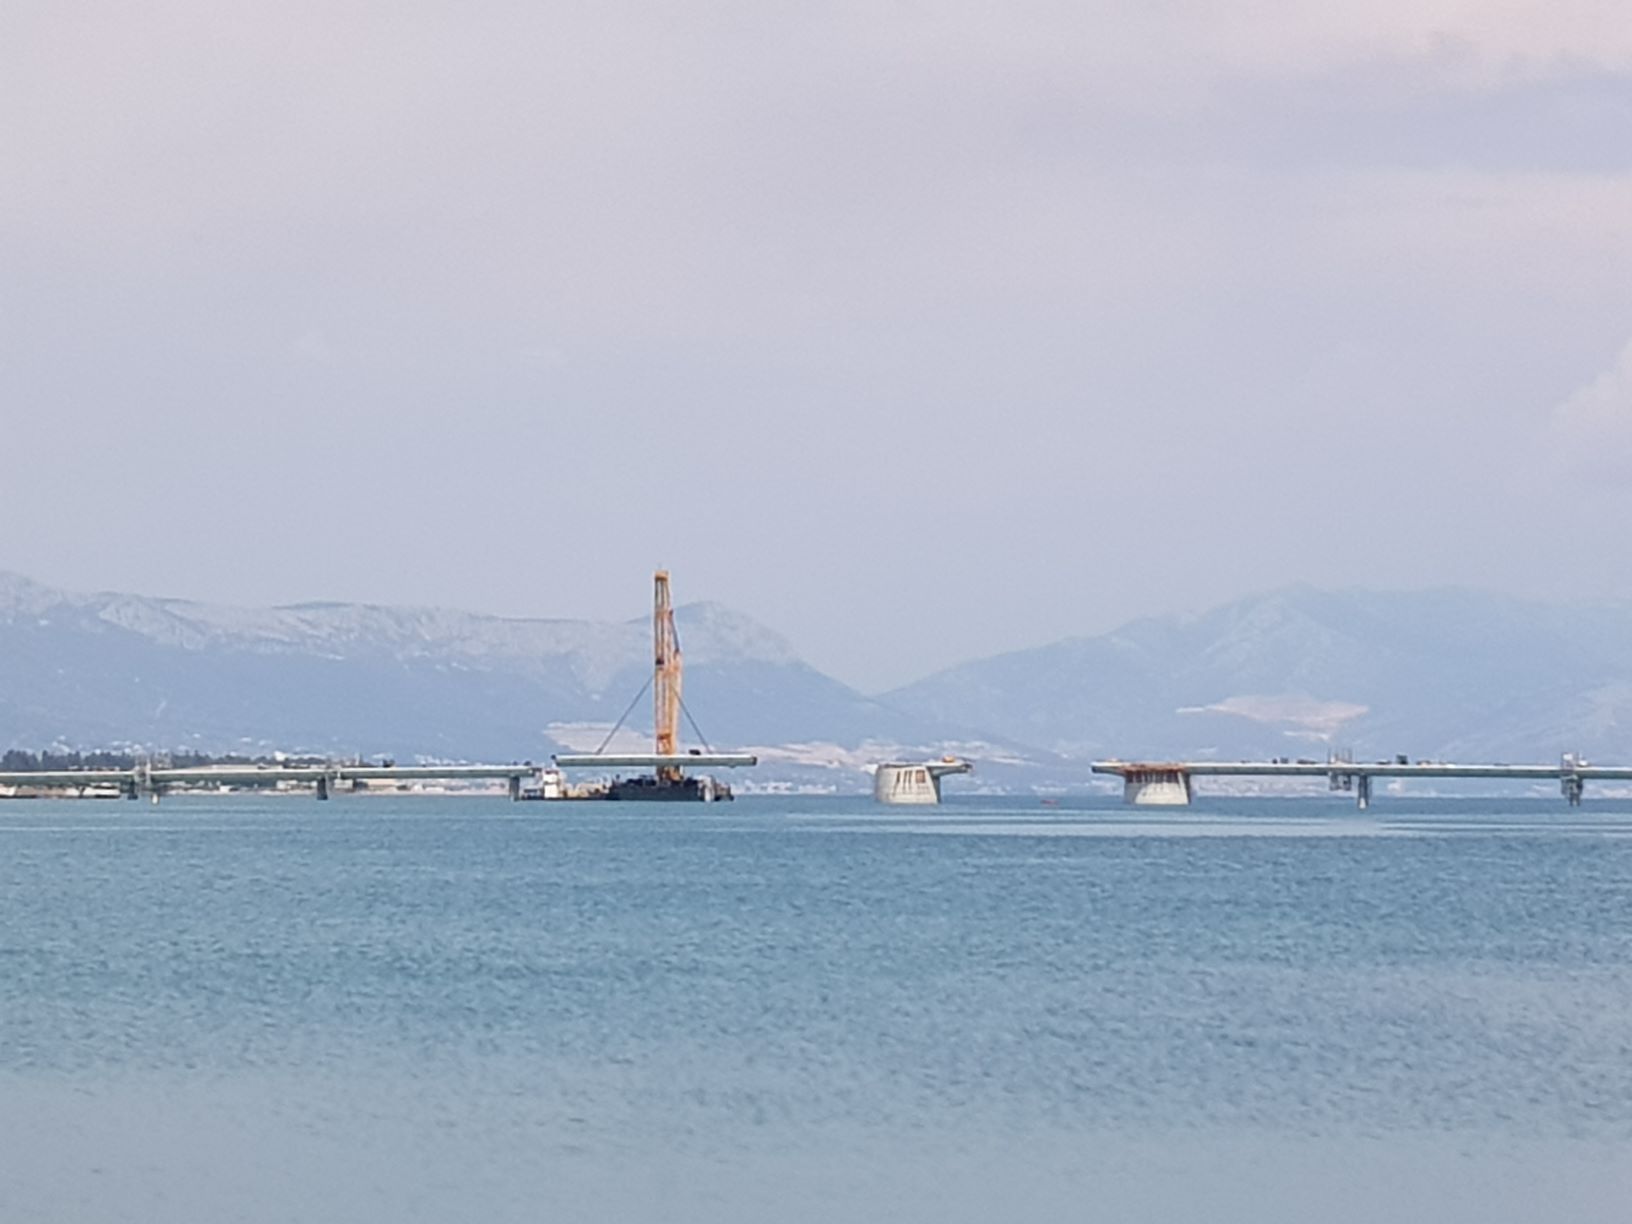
(666, 675)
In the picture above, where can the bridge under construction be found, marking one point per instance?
(154, 780)
(668, 780)
(1168, 783)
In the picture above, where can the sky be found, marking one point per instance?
(917, 331)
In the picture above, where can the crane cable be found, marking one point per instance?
(624, 716)
(695, 728)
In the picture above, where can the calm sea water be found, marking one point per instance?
(464, 1009)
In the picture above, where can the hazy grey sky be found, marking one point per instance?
(919, 331)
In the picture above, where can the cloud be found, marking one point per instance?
(1593, 427)
(885, 273)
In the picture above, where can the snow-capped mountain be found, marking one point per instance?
(1298, 672)
(1450, 674)
(115, 668)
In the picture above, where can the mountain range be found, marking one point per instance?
(1442, 674)
(1447, 674)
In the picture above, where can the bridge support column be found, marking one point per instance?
(1362, 791)
(515, 787)
(323, 786)
(1156, 787)
(1573, 786)
(906, 782)
(141, 781)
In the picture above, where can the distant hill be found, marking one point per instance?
(113, 669)
(1445, 674)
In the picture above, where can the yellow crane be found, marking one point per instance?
(668, 779)
(665, 677)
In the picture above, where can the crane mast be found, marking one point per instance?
(666, 676)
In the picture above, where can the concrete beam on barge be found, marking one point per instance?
(655, 760)
(1168, 783)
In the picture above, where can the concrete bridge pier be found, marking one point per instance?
(515, 787)
(1162, 787)
(1573, 786)
(1362, 791)
(322, 786)
(913, 782)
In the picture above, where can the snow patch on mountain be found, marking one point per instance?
(1305, 713)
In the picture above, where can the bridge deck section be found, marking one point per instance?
(154, 779)
(1168, 782)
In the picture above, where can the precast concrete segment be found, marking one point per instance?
(652, 760)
